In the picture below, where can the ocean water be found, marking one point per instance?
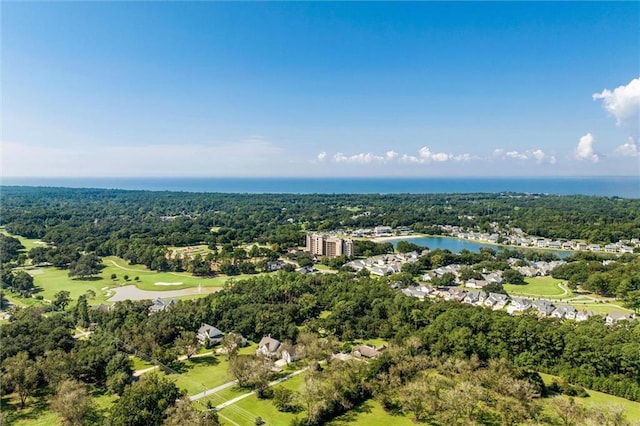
(626, 187)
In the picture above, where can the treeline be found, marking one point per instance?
(131, 223)
(613, 278)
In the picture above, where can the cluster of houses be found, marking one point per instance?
(382, 231)
(384, 264)
(517, 237)
(273, 349)
(498, 301)
(531, 269)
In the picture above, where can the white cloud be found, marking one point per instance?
(629, 149)
(391, 155)
(517, 155)
(537, 155)
(426, 154)
(623, 103)
(362, 158)
(322, 156)
(584, 149)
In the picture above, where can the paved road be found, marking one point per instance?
(248, 394)
(212, 391)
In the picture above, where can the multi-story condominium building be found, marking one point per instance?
(329, 246)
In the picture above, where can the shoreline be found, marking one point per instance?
(414, 236)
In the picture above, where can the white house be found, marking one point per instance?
(209, 335)
(268, 346)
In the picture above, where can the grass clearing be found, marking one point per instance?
(601, 308)
(596, 399)
(244, 412)
(201, 373)
(545, 287)
(50, 280)
(28, 243)
(369, 413)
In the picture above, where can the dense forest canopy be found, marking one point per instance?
(96, 219)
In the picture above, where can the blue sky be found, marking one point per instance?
(320, 89)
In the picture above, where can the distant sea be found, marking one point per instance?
(626, 187)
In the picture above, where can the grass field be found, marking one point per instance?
(602, 399)
(50, 280)
(28, 243)
(546, 287)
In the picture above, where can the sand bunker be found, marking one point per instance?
(162, 283)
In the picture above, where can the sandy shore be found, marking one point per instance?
(397, 237)
(131, 292)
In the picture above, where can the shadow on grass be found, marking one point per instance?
(351, 416)
(208, 360)
(180, 367)
(35, 406)
(88, 279)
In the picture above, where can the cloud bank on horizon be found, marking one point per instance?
(622, 103)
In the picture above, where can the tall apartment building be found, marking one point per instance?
(329, 246)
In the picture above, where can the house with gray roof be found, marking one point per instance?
(544, 307)
(496, 300)
(584, 315)
(209, 335)
(159, 305)
(268, 346)
(518, 304)
(614, 317)
(565, 312)
(475, 297)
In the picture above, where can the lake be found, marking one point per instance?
(456, 245)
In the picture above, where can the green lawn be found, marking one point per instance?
(370, 413)
(51, 280)
(602, 399)
(201, 373)
(28, 243)
(35, 413)
(602, 308)
(546, 287)
(244, 412)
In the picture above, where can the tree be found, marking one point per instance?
(74, 404)
(118, 372)
(22, 282)
(569, 411)
(55, 367)
(512, 276)
(284, 400)
(250, 371)
(415, 398)
(81, 312)
(632, 300)
(184, 413)
(145, 403)
(61, 300)
(21, 375)
(86, 266)
(231, 344)
(187, 343)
